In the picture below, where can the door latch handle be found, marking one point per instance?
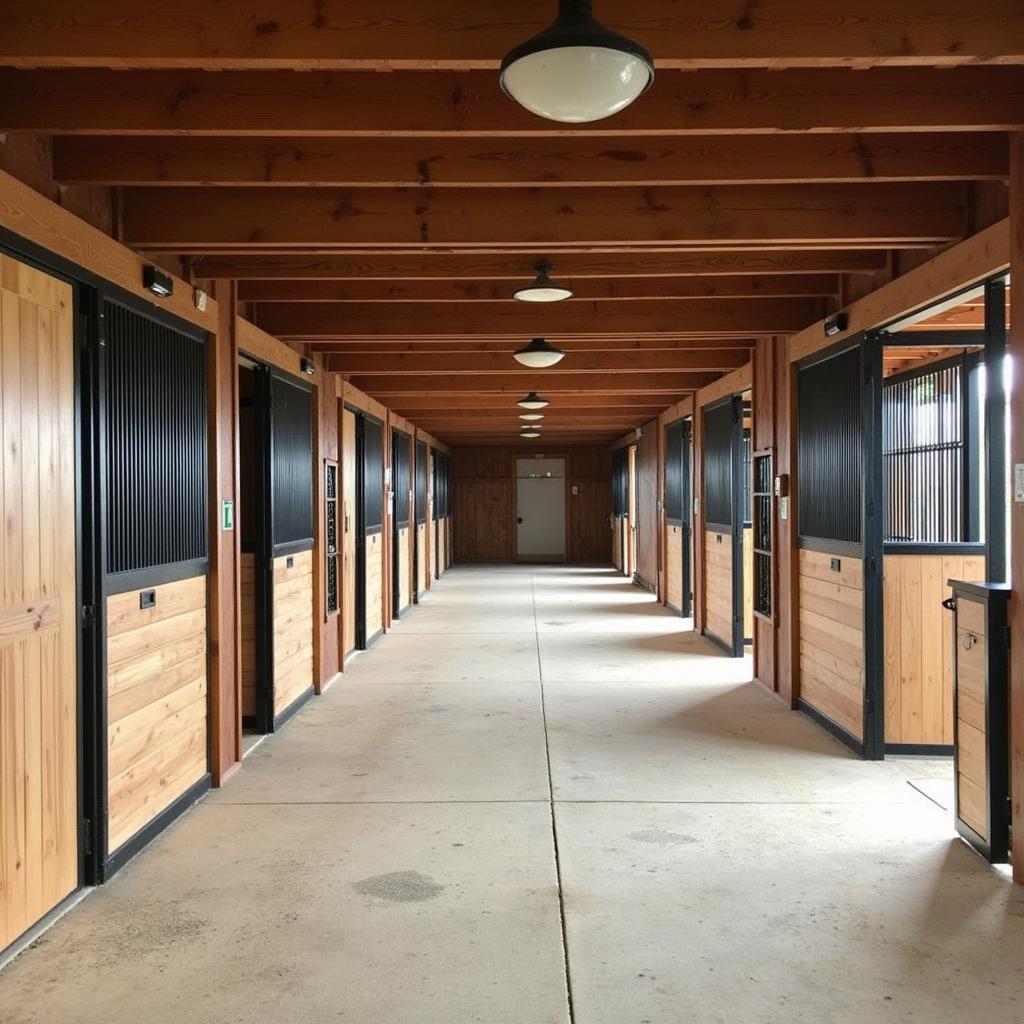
(519, 519)
(949, 604)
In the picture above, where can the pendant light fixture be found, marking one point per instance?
(532, 432)
(576, 70)
(531, 415)
(543, 288)
(532, 401)
(539, 354)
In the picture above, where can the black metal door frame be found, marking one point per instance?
(686, 607)
(360, 637)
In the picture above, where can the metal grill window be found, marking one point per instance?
(718, 464)
(373, 476)
(400, 476)
(925, 427)
(331, 499)
(421, 483)
(292, 462)
(674, 472)
(620, 481)
(156, 413)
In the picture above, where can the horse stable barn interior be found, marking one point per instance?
(511, 514)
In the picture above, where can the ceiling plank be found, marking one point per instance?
(517, 384)
(546, 163)
(414, 266)
(191, 219)
(420, 346)
(740, 317)
(464, 33)
(657, 361)
(590, 289)
(417, 404)
(299, 104)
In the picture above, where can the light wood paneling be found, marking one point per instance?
(718, 585)
(748, 583)
(421, 558)
(348, 528)
(647, 506)
(674, 566)
(404, 556)
(38, 659)
(617, 544)
(293, 628)
(157, 706)
(248, 613)
(972, 741)
(374, 585)
(832, 638)
(919, 645)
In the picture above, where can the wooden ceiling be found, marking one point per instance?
(355, 166)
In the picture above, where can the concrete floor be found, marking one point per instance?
(389, 858)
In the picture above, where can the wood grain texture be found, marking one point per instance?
(918, 645)
(404, 571)
(38, 610)
(674, 566)
(374, 584)
(647, 512)
(348, 528)
(293, 628)
(248, 631)
(157, 713)
(831, 653)
(718, 585)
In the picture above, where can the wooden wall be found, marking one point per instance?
(832, 638)
(404, 567)
(718, 588)
(918, 645)
(674, 567)
(247, 596)
(483, 502)
(971, 733)
(374, 585)
(156, 702)
(293, 628)
(647, 512)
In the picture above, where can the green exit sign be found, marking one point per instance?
(227, 515)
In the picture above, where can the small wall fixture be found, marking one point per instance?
(156, 281)
(531, 415)
(539, 354)
(307, 366)
(532, 401)
(836, 324)
(532, 432)
(576, 70)
(543, 288)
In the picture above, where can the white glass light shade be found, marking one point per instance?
(539, 354)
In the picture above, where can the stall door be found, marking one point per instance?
(289, 601)
(723, 524)
(38, 657)
(420, 557)
(349, 495)
(839, 582)
(371, 528)
(400, 541)
(678, 514)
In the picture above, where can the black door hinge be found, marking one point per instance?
(87, 836)
(88, 615)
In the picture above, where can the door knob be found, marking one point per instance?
(519, 519)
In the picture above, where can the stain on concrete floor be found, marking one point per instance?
(400, 887)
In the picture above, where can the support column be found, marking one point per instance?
(1016, 539)
(224, 623)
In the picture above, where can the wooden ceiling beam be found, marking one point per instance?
(422, 346)
(311, 103)
(466, 34)
(576, 161)
(414, 405)
(418, 266)
(190, 220)
(739, 317)
(518, 384)
(588, 289)
(658, 361)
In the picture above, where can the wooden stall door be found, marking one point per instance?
(348, 469)
(38, 659)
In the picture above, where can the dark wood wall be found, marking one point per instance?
(484, 494)
(647, 506)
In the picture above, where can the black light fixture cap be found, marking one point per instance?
(540, 345)
(576, 26)
(836, 324)
(307, 365)
(156, 281)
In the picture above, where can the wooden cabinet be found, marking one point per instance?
(980, 715)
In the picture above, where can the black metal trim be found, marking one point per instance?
(292, 547)
(995, 404)
(138, 842)
(910, 548)
(841, 734)
(739, 520)
(360, 537)
(279, 720)
(157, 575)
(847, 549)
(717, 528)
(932, 339)
(921, 749)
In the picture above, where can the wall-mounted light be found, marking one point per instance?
(156, 281)
(576, 70)
(307, 366)
(532, 401)
(539, 354)
(543, 288)
(531, 415)
(836, 324)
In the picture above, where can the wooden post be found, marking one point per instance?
(224, 622)
(1016, 538)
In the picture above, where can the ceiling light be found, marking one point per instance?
(543, 288)
(532, 401)
(531, 415)
(576, 70)
(532, 432)
(539, 354)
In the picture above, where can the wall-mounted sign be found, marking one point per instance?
(1018, 482)
(227, 515)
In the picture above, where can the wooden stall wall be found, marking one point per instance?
(483, 519)
(347, 431)
(156, 702)
(293, 628)
(718, 585)
(647, 513)
(918, 645)
(38, 607)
